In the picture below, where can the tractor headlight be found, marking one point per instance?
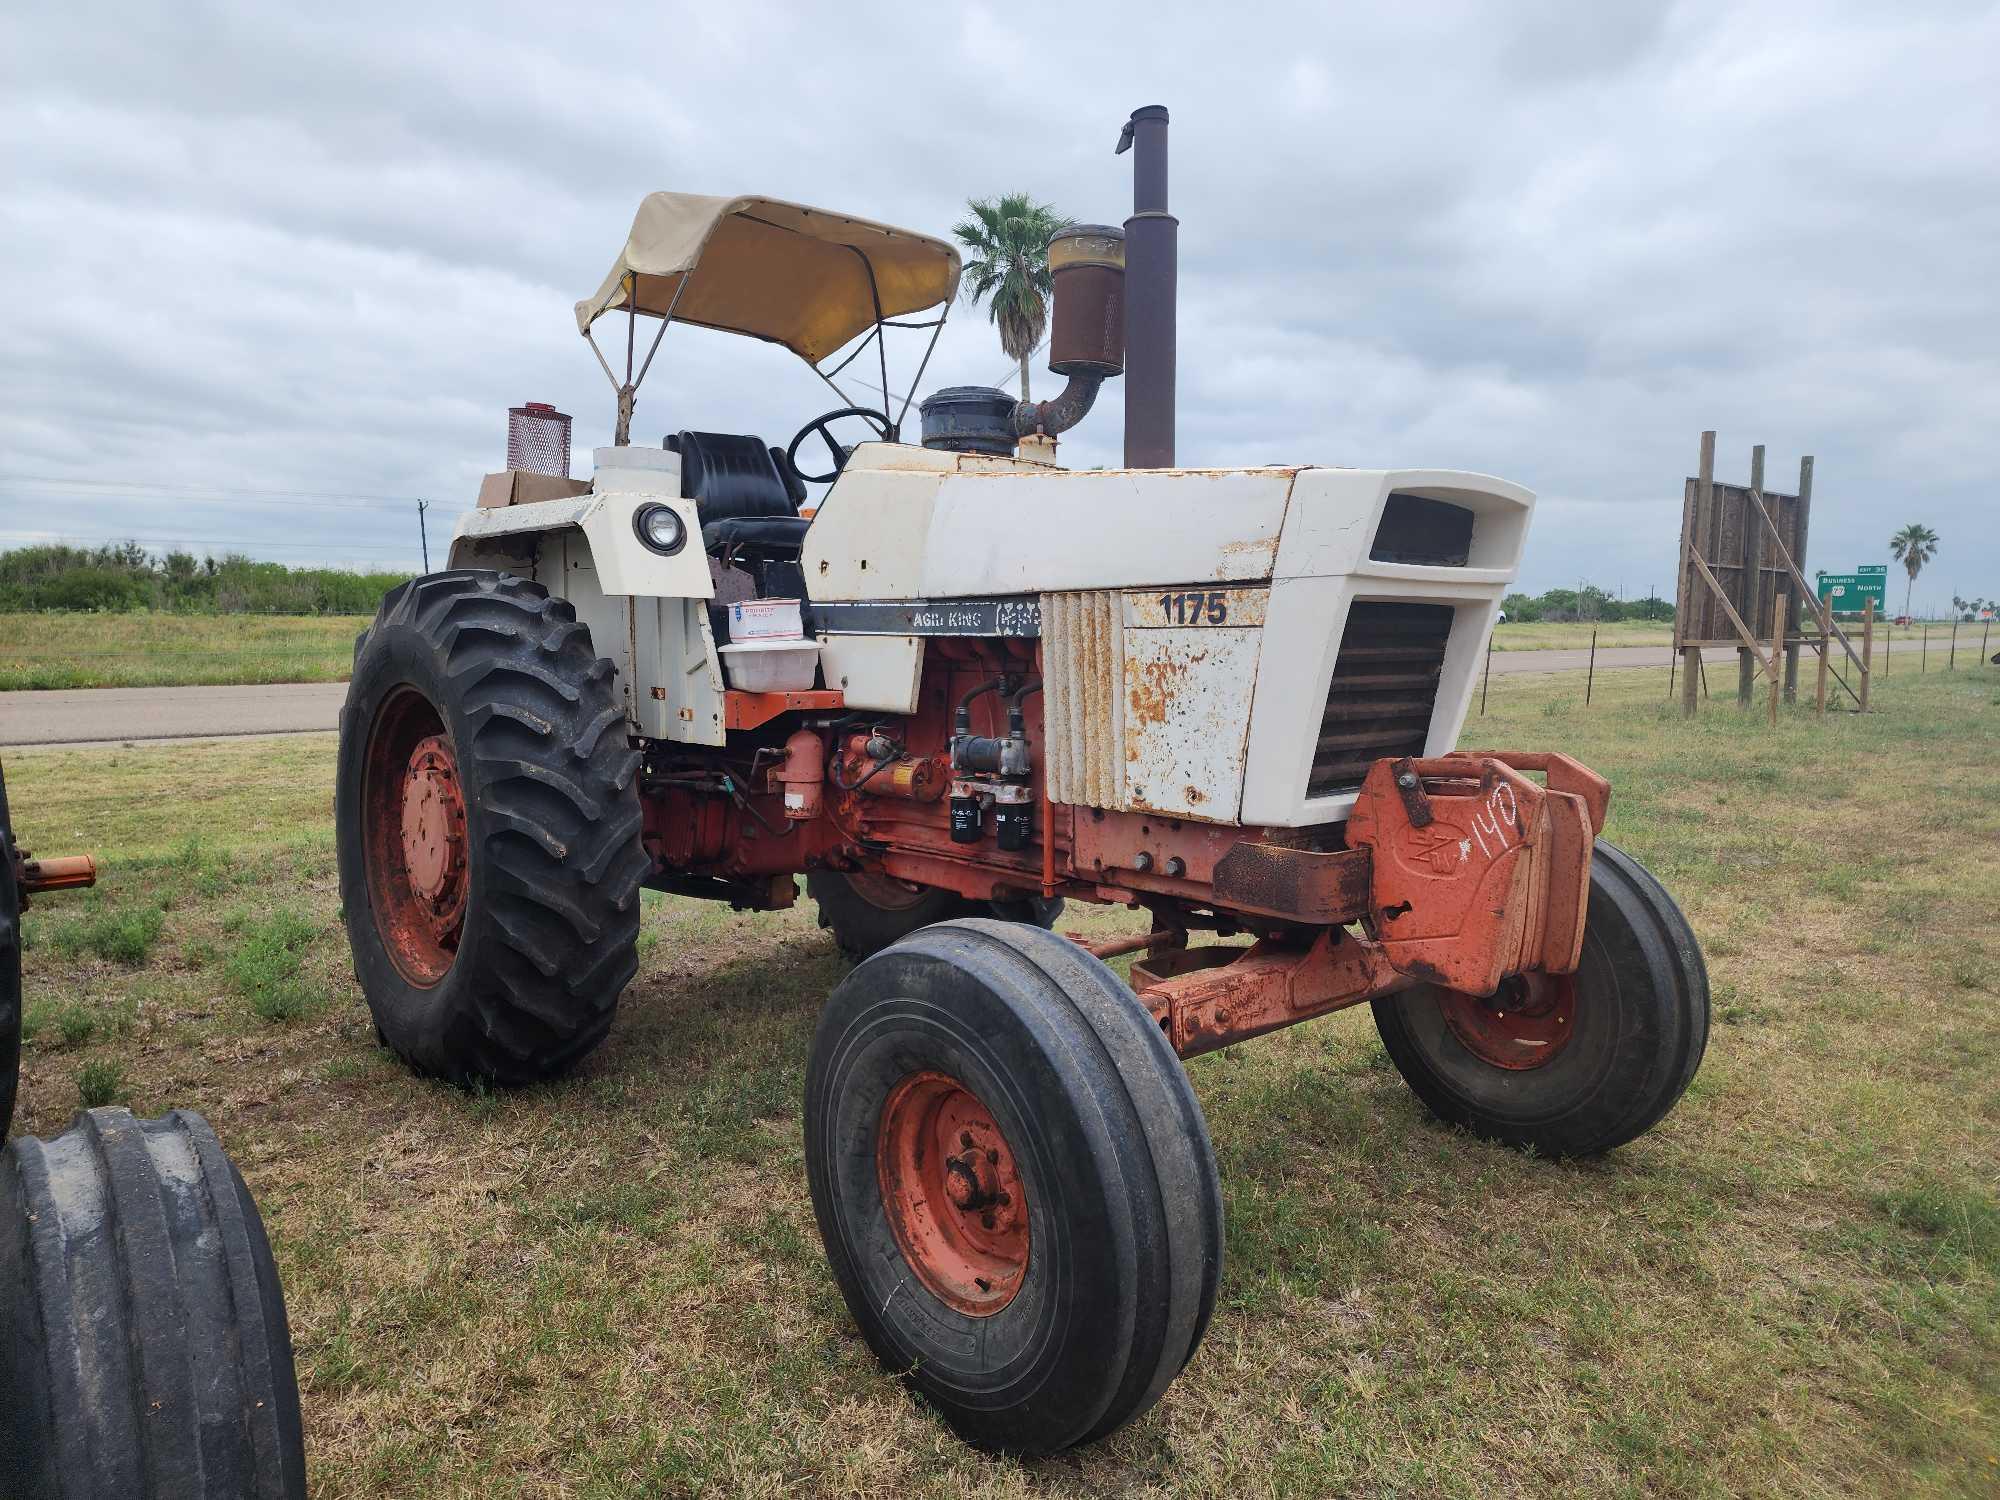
(661, 528)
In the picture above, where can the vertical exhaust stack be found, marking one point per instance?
(1151, 274)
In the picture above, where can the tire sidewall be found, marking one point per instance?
(897, 1014)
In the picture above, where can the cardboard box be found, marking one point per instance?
(519, 487)
(765, 620)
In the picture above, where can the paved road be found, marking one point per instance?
(87, 715)
(100, 715)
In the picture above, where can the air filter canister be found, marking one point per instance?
(1087, 323)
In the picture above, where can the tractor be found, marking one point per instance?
(953, 687)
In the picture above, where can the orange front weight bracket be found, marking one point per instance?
(1478, 872)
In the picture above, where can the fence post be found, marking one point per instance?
(1951, 661)
(1591, 676)
(1868, 649)
(1778, 606)
(1753, 584)
(1486, 681)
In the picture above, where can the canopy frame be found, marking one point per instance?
(625, 285)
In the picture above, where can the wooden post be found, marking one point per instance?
(1591, 676)
(1487, 680)
(1951, 661)
(1685, 614)
(1867, 649)
(1752, 553)
(1819, 691)
(1924, 652)
(1778, 606)
(1793, 619)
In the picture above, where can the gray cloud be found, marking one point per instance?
(322, 250)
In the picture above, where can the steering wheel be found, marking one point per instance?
(820, 425)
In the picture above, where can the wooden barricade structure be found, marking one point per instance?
(1740, 586)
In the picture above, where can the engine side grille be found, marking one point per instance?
(1384, 688)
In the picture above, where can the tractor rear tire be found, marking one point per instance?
(1013, 1181)
(487, 816)
(1572, 1066)
(867, 912)
(10, 971)
(142, 1326)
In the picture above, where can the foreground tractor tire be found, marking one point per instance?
(10, 971)
(142, 1327)
(487, 816)
(866, 912)
(1568, 1065)
(1014, 1183)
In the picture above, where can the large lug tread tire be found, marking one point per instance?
(551, 924)
(1124, 1208)
(143, 1327)
(1641, 1025)
(862, 927)
(10, 971)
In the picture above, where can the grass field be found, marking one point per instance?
(1573, 635)
(58, 650)
(613, 1286)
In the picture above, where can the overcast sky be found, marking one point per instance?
(257, 258)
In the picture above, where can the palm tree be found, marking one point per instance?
(1913, 546)
(1008, 268)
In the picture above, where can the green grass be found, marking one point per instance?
(99, 1081)
(612, 1285)
(1575, 635)
(141, 649)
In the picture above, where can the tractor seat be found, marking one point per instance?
(746, 494)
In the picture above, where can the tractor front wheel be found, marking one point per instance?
(487, 818)
(1013, 1181)
(866, 912)
(1575, 1064)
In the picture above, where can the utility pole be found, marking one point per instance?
(424, 533)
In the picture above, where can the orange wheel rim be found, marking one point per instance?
(1524, 1024)
(953, 1194)
(415, 840)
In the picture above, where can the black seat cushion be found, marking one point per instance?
(731, 476)
(767, 533)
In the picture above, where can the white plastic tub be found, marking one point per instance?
(771, 666)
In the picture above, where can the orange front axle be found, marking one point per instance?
(1476, 874)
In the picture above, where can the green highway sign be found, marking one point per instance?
(1849, 593)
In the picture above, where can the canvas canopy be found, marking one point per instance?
(797, 276)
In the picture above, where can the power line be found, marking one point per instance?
(219, 489)
(178, 498)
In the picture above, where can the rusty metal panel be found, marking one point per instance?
(1081, 650)
(1324, 887)
(1190, 664)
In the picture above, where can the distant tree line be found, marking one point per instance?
(125, 576)
(1589, 603)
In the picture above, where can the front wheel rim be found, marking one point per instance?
(1524, 1024)
(952, 1194)
(415, 837)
